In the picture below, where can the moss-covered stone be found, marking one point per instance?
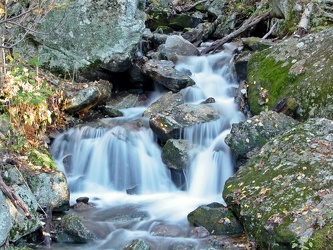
(282, 195)
(295, 68)
(216, 218)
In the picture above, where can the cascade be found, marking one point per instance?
(119, 156)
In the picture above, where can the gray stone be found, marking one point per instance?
(137, 244)
(87, 98)
(176, 46)
(89, 34)
(165, 103)
(50, 189)
(6, 221)
(164, 73)
(170, 125)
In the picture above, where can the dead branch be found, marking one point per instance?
(303, 25)
(248, 24)
(270, 31)
(47, 227)
(19, 205)
(194, 5)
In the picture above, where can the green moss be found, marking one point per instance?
(271, 75)
(323, 238)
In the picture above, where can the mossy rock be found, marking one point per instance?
(296, 68)
(283, 195)
(216, 218)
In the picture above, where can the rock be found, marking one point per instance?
(71, 230)
(248, 136)
(50, 189)
(137, 244)
(256, 43)
(282, 195)
(82, 199)
(165, 103)
(164, 73)
(199, 232)
(216, 218)
(87, 98)
(21, 225)
(295, 68)
(5, 218)
(215, 7)
(170, 126)
(125, 100)
(81, 206)
(88, 34)
(166, 231)
(176, 46)
(176, 154)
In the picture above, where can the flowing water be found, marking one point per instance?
(117, 164)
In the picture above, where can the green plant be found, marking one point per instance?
(302, 244)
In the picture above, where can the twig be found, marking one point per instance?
(270, 31)
(194, 5)
(248, 24)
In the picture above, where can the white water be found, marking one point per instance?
(102, 163)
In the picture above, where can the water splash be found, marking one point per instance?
(118, 156)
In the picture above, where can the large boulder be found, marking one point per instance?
(92, 34)
(6, 221)
(169, 125)
(50, 189)
(164, 73)
(297, 69)
(23, 220)
(250, 135)
(283, 196)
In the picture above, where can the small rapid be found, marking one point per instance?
(117, 163)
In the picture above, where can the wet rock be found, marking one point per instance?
(81, 206)
(176, 154)
(71, 230)
(170, 126)
(209, 100)
(87, 98)
(164, 73)
(50, 189)
(166, 231)
(216, 218)
(137, 244)
(248, 136)
(199, 232)
(282, 194)
(215, 7)
(176, 46)
(165, 103)
(83, 199)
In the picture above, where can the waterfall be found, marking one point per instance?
(116, 157)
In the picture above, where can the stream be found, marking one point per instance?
(118, 166)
